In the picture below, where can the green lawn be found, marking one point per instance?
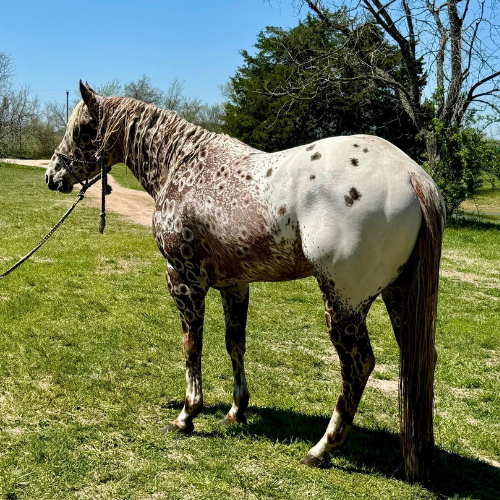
(486, 201)
(125, 177)
(92, 369)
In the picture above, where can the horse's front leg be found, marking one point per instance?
(235, 302)
(189, 297)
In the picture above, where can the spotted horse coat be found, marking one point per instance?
(351, 211)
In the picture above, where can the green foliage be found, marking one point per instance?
(466, 156)
(125, 177)
(280, 97)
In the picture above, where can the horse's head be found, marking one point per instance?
(75, 157)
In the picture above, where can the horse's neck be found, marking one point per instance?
(151, 160)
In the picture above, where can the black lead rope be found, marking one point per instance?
(105, 190)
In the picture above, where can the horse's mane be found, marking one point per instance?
(139, 124)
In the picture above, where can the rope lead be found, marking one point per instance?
(104, 178)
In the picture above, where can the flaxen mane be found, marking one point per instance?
(150, 133)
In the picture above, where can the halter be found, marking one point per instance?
(106, 189)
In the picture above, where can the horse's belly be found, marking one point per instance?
(261, 259)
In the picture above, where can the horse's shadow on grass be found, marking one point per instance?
(367, 451)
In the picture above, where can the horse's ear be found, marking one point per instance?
(91, 99)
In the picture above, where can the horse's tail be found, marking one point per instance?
(417, 352)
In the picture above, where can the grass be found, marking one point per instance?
(92, 369)
(125, 177)
(486, 201)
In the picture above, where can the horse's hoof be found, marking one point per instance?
(318, 463)
(230, 420)
(174, 427)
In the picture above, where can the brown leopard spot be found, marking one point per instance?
(311, 147)
(248, 177)
(353, 196)
(351, 329)
(355, 162)
(365, 150)
(178, 225)
(335, 437)
(356, 145)
(187, 234)
(316, 156)
(312, 177)
(186, 251)
(269, 172)
(282, 210)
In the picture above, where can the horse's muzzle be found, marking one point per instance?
(60, 184)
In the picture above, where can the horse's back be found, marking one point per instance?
(356, 209)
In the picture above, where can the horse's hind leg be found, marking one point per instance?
(235, 302)
(189, 296)
(349, 335)
(393, 297)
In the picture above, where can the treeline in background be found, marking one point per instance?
(382, 71)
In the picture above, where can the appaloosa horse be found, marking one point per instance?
(353, 211)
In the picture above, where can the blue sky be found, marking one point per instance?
(55, 43)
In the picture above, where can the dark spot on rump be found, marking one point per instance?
(316, 156)
(312, 177)
(282, 210)
(269, 172)
(356, 145)
(353, 196)
(311, 147)
(365, 150)
(355, 162)
(249, 177)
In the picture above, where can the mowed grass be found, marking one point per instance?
(486, 201)
(125, 177)
(91, 370)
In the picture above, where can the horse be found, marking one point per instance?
(355, 212)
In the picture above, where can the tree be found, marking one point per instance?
(17, 108)
(302, 86)
(191, 108)
(144, 91)
(456, 42)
